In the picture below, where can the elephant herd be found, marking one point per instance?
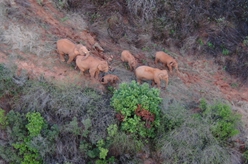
(85, 61)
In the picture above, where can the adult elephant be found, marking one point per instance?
(93, 64)
(150, 73)
(65, 46)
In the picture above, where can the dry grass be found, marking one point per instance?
(142, 9)
(76, 20)
(26, 40)
(191, 140)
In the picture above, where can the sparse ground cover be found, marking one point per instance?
(51, 114)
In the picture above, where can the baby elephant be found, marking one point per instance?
(126, 56)
(65, 46)
(112, 79)
(149, 73)
(94, 65)
(167, 60)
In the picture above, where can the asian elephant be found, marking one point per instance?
(126, 56)
(65, 46)
(167, 60)
(93, 64)
(112, 79)
(150, 73)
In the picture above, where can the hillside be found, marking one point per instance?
(29, 31)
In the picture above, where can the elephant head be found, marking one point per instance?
(103, 66)
(133, 63)
(81, 50)
(163, 75)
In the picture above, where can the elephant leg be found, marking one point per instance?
(166, 81)
(156, 61)
(153, 83)
(81, 70)
(71, 57)
(170, 67)
(97, 74)
(61, 56)
(157, 82)
(92, 73)
(130, 66)
(176, 67)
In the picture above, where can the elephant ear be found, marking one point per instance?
(103, 65)
(161, 75)
(172, 63)
(100, 66)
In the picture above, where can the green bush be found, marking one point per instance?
(186, 138)
(245, 156)
(3, 118)
(222, 119)
(138, 108)
(122, 143)
(7, 85)
(35, 123)
(30, 136)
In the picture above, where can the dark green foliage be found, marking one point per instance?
(195, 138)
(222, 23)
(3, 119)
(29, 138)
(7, 85)
(75, 115)
(127, 99)
(35, 123)
(223, 120)
(245, 156)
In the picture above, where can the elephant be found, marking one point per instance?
(150, 73)
(65, 46)
(113, 79)
(167, 60)
(126, 56)
(93, 64)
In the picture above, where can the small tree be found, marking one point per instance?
(138, 108)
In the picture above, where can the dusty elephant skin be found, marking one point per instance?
(167, 60)
(150, 73)
(94, 65)
(65, 46)
(126, 56)
(112, 79)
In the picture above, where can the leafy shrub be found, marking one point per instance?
(189, 138)
(7, 85)
(122, 143)
(75, 113)
(245, 156)
(30, 136)
(3, 118)
(35, 123)
(138, 108)
(222, 120)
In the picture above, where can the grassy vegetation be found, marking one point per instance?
(220, 25)
(192, 138)
(62, 124)
(51, 123)
(26, 40)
